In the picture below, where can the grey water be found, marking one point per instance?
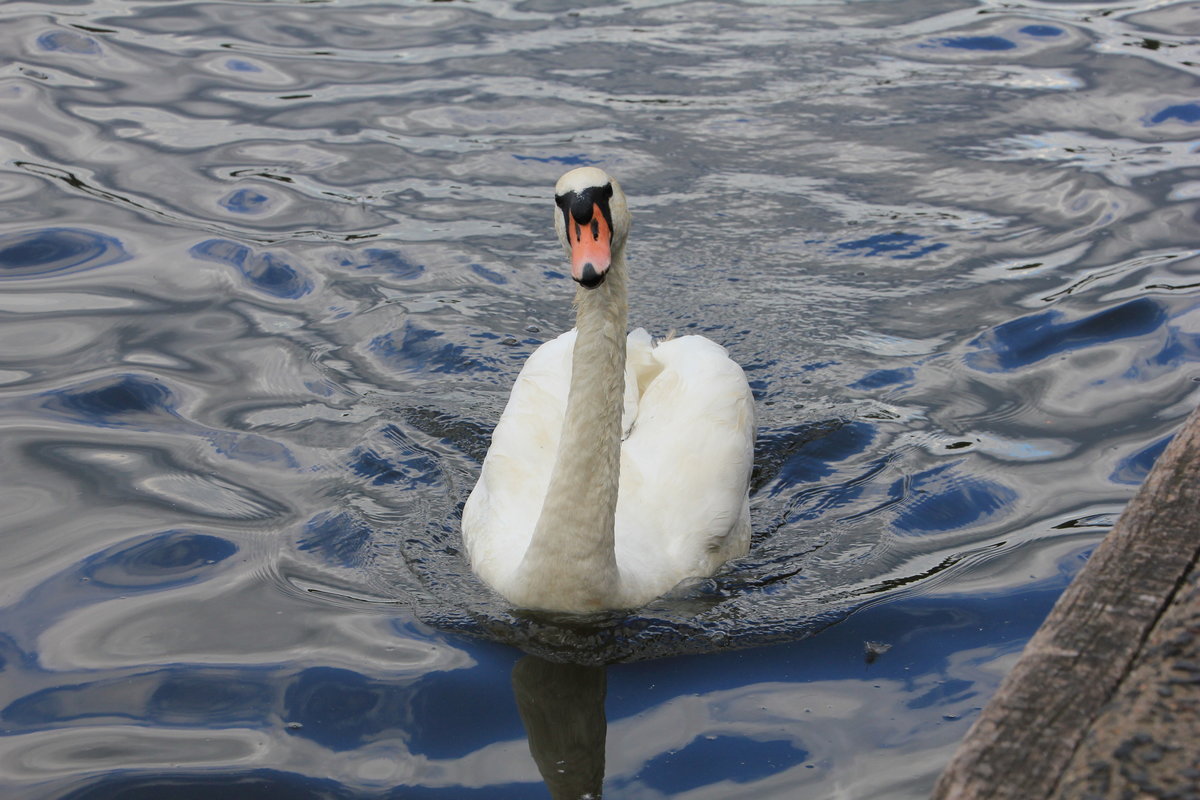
(268, 269)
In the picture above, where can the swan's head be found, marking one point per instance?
(592, 222)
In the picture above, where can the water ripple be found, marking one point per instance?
(56, 251)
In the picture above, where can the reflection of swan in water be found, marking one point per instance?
(618, 468)
(562, 706)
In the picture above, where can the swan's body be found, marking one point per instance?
(619, 468)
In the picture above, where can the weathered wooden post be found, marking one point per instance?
(1105, 700)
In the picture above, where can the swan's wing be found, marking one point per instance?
(685, 465)
(500, 514)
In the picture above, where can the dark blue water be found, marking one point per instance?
(267, 271)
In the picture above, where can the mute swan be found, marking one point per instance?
(618, 468)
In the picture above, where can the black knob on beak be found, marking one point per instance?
(590, 279)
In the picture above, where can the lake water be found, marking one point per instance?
(267, 271)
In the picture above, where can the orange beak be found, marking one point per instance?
(591, 249)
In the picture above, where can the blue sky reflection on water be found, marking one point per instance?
(268, 271)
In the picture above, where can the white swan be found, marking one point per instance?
(618, 468)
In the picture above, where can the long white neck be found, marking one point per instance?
(571, 564)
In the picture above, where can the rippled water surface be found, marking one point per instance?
(267, 271)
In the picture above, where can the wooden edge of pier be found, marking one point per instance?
(1105, 700)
